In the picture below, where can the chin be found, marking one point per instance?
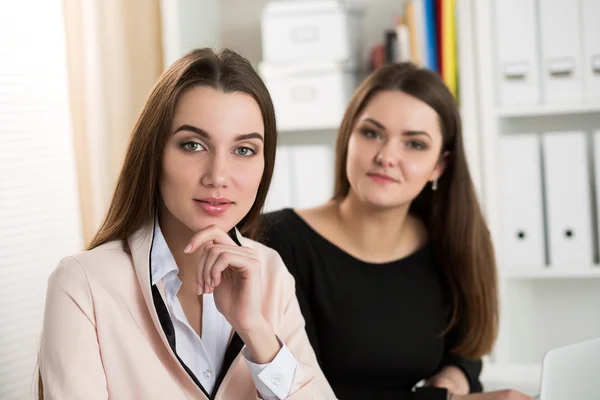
(196, 222)
(204, 223)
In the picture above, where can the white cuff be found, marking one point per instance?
(273, 380)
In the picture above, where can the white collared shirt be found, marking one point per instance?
(204, 356)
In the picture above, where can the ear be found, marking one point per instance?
(440, 167)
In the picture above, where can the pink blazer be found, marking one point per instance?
(102, 338)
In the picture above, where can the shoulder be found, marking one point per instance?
(75, 276)
(279, 229)
(295, 224)
(278, 220)
(79, 268)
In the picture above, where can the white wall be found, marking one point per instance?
(188, 24)
(39, 213)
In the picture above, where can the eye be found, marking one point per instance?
(244, 151)
(192, 146)
(417, 145)
(370, 134)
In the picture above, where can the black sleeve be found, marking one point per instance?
(470, 367)
(275, 233)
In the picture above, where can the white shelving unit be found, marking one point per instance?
(546, 110)
(541, 307)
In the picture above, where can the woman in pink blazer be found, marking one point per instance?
(173, 300)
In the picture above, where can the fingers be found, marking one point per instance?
(238, 263)
(201, 288)
(208, 276)
(211, 234)
(213, 252)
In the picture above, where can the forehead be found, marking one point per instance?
(220, 114)
(399, 111)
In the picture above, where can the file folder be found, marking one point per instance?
(522, 228)
(516, 38)
(591, 42)
(568, 199)
(562, 68)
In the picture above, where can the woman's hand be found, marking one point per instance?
(451, 378)
(232, 272)
(498, 395)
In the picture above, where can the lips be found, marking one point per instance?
(382, 178)
(214, 200)
(213, 206)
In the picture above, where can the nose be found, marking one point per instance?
(386, 156)
(216, 174)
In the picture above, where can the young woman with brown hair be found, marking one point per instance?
(396, 275)
(171, 301)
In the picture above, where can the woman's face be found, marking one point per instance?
(213, 160)
(393, 150)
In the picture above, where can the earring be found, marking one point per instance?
(434, 184)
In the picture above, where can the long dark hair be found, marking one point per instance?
(452, 214)
(137, 198)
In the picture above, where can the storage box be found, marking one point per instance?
(318, 30)
(310, 97)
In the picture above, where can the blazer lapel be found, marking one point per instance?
(140, 245)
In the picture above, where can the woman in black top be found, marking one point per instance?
(396, 275)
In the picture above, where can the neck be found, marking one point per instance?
(380, 232)
(177, 236)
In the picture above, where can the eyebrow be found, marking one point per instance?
(407, 133)
(202, 133)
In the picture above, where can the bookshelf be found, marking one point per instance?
(541, 307)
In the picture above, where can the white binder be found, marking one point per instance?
(591, 54)
(568, 200)
(562, 67)
(516, 37)
(596, 158)
(522, 228)
(281, 191)
(312, 173)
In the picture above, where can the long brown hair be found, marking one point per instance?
(452, 214)
(137, 198)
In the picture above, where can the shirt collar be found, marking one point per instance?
(161, 258)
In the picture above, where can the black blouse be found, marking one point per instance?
(376, 328)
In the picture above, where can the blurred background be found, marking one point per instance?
(74, 75)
